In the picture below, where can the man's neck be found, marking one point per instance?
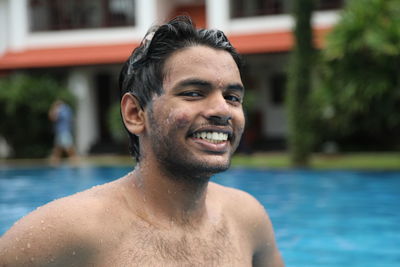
(180, 200)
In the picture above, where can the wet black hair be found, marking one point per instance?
(142, 74)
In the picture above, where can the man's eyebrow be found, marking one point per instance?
(207, 85)
(193, 82)
(235, 87)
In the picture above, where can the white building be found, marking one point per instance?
(86, 41)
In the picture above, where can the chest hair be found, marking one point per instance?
(153, 247)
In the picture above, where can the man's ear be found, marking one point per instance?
(132, 114)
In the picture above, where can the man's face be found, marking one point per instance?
(196, 125)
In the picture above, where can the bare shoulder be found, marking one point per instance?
(60, 232)
(238, 203)
(250, 216)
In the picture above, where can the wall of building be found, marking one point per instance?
(262, 69)
(4, 25)
(19, 37)
(263, 65)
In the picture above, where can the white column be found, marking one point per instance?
(86, 121)
(164, 9)
(4, 25)
(5, 149)
(217, 14)
(146, 15)
(18, 27)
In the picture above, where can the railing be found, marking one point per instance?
(250, 8)
(55, 15)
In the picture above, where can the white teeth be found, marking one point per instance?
(214, 137)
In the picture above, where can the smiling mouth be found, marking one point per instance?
(214, 137)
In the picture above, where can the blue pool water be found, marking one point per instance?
(321, 218)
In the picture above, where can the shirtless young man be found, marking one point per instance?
(182, 106)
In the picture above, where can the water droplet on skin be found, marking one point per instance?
(16, 258)
(42, 222)
(28, 245)
(43, 228)
(32, 259)
(30, 233)
(144, 199)
(169, 191)
(73, 253)
(17, 239)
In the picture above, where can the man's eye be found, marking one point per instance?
(191, 94)
(233, 98)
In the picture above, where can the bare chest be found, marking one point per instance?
(220, 246)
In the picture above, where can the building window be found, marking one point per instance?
(329, 4)
(251, 8)
(54, 15)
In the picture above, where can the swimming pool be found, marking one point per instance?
(321, 218)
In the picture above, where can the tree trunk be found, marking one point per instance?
(299, 85)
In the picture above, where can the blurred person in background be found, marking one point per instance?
(61, 115)
(181, 104)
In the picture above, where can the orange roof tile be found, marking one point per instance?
(66, 56)
(109, 54)
(272, 42)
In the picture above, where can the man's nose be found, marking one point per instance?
(218, 110)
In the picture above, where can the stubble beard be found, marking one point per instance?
(179, 162)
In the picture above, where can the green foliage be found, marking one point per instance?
(299, 86)
(249, 101)
(24, 104)
(115, 125)
(359, 89)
